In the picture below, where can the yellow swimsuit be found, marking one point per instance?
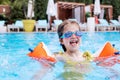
(74, 72)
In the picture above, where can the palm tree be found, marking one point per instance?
(5, 2)
(20, 5)
(23, 4)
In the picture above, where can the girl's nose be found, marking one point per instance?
(73, 35)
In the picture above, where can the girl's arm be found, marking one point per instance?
(41, 73)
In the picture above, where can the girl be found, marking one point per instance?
(76, 63)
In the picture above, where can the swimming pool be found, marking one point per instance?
(16, 65)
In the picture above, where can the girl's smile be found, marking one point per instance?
(74, 42)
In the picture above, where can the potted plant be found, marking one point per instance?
(28, 22)
(19, 11)
(90, 22)
(87, 15)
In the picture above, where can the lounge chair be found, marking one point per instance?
(104, 25)
(56, 24)
(41, 24)
(18, 25)
(83, 26)
(116, 24)
(2, 27)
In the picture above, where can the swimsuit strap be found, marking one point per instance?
(69, 61)
(87, 55)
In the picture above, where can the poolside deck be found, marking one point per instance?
(84, 28)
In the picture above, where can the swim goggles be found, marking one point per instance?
(69, 34)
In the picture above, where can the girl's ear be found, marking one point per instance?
(61, 41)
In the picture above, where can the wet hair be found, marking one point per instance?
(61, 29)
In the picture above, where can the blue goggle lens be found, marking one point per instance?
(69, 34)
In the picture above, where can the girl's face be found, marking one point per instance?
(72, 42)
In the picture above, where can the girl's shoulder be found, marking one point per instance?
(59, 56)
(88, 56)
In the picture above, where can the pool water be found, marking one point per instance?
(16, 65)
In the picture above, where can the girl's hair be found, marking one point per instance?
(61, 29)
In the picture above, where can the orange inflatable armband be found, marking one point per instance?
(108, 50)
(107, 56)
(41, 52)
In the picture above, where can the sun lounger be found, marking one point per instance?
(104, 25)
(116, 24)
(41, 24)
(83, 26)
(2, 27)
(56, 24)
(18, 25)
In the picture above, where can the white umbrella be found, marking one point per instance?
(30, 12)
(51, 9)
(97, 9)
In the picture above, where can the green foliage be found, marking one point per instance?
(5, 2)
(16, 14)
(40, 9)
(106, 2)
(87, 14)
(18, 7)
(116, 7)
(87, 2)
(3, 17)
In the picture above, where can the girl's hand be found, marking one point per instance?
(46, 63)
